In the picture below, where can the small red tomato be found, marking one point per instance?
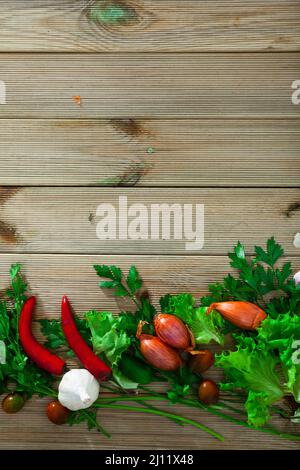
(201, 361)
(208, 392)
(13, 403)
(57, 413)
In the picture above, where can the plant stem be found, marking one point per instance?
(291, 437)
(140, 399)
(128, 398)
(130, 295)
(194, 404)
(162, 413)
(151, 407)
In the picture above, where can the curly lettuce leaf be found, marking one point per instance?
(290, 362)
(258, 408)
(106, 338)
(274, 330)
(181, 305)
(282, 335)
(253, 369)
(205, 328)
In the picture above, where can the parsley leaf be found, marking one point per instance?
(134, 280)
(18, 369)
(55, 338)
(88, 416)
(259, 281)
(130, 287)
(115, 274)
(271, 255)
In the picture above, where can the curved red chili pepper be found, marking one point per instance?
(84, 353)
(35, 351)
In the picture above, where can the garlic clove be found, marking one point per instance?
(85, 398)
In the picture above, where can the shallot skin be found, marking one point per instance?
(172, 331)
(201, 360)
(158, 354)
(245, 315)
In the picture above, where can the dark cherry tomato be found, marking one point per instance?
(208, 392)
(201, 361)
(13, 403)
(57, 413)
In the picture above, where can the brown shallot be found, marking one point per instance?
(172, 331)
(245, 315)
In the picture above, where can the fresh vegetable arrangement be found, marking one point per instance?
(252, 319)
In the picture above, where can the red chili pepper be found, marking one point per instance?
(86, 356)
(35, 351)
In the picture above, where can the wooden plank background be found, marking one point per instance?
(149, 85)
(186, 152)
(52, 276)
(180, 102)
(40, 220)
(150, 25)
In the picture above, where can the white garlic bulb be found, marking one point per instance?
(78, 389)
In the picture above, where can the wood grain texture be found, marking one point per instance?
(149, 25)
(64, 220)
(49, 278)
(155, 85)
(30, 429)
(117, 152)
(164, 106)
(52, 276)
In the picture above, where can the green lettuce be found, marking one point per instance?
(2, 352)
(122, 380)
(291, 368)
(282, 335)
(257, 406)
(276, 331)
(107, 340)
(252, 368)
(205, 328)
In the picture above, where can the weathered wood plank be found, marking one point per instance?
(149, 25)
(30, 429)
(155, 85)
(64, 220)
(119, 152)
(51, 276)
